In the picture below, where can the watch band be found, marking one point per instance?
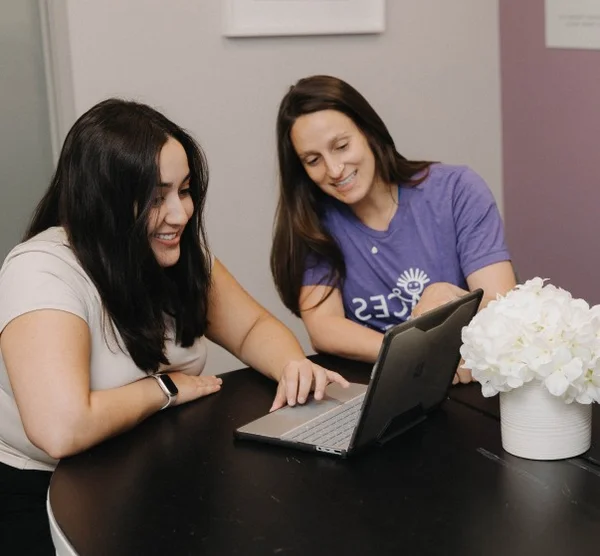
(168, 387)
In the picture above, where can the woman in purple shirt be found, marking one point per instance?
(365, 238)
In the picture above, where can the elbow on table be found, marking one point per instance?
(320, 343)
(315, 342)
(58, 441)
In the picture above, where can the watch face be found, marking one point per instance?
(169, 384)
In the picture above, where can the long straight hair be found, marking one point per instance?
(298, 234)
(102, 193)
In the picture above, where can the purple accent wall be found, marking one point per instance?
(551, 153)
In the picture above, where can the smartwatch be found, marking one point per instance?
(168, 387)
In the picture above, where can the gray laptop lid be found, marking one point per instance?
(414, 370)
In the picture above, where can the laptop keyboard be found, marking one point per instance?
(333, 428)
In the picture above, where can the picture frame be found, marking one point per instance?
(254, 18)
(572, 24)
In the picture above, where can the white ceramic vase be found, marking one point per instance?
(537, 425)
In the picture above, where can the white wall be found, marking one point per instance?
(433, 76)
(25, 151)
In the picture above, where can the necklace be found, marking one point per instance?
(394, 193)
(379, 218)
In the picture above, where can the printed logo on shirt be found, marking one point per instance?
(408, 290)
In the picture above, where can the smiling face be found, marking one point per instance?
(335, 155)
(173, 205)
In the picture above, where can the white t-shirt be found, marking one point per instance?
(43, 273)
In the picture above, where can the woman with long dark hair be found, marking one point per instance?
(363, 237)
(105, 306)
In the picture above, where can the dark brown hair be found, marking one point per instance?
(108, 165)
(298, 231)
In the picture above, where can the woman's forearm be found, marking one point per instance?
(107, 413)
(342, 337)
(269, 346)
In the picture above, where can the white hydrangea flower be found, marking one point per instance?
(537, 331)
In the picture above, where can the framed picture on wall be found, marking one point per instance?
(573, 24)
(252, 18)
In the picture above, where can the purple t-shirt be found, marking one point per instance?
(444, 229)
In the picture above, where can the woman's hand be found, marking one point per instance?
(435, 295)
(299, 378)
(192, 387)
(462, 376)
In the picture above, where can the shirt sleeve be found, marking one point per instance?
(479, 227)
(36, 280)
(317, 272)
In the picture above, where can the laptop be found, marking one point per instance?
(410, 379)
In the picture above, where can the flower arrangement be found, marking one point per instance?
(536, 332)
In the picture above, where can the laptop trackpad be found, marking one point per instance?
(287, 418)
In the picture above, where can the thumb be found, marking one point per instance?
(280, 398)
